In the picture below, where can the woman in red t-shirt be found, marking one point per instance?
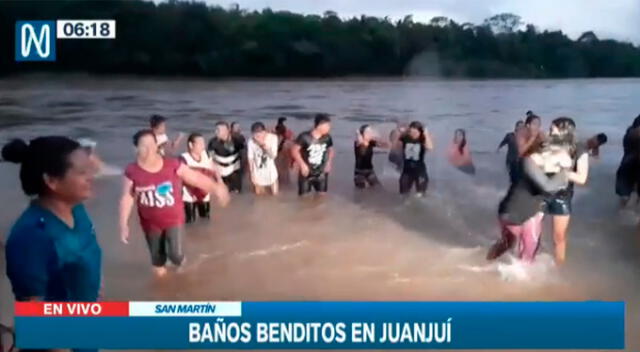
(154, 183)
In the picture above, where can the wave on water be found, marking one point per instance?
(365, 118)
(120, 98)
(283, 107)
(273, 249)
(389, 171)
(543, 269)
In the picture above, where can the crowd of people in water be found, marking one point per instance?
(52, 252)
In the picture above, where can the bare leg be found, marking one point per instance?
(560, 227)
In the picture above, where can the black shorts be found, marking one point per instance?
(419, 177)
(363, 177)
(558, 205)
(319, 183)
(234, 181)
(165, 244)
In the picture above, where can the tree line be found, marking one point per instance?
(192, 38)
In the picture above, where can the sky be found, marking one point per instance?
(617, 19)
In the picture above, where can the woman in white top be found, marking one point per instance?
(198, 159)
(262, 151)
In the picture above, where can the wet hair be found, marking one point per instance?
(142, 133)
(529, 113)
(564, 125)
(519, 122)
(192, 137)
(257, 127)
(464, 139)
(320, 119)
(636, 122)
(530, 118)
(156, 120)
(42, 156)
(363, 128)
(418, 126)
(602, 138)
(281, 129)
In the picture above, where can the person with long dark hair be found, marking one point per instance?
(529, 135)
(459, 154)
(154, 183)
(414, 144)
(364, 145)
(284, 160)
(52, 252)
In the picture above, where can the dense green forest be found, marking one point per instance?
(191, 38)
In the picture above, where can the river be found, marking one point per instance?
(352, 245)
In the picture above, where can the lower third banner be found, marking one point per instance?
(321, 325)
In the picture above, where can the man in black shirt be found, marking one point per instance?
(313, 153)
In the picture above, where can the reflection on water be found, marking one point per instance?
(351, 245)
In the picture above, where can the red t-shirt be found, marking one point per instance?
(158, 195)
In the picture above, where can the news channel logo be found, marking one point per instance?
(35, 41)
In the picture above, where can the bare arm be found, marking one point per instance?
(428, 141)
(251, 158)
(176, 143)
(198, 180)
(382, 144)
(552, 184)
(297, 156)
(524, 144)
(582, 170)
(359, 138)
(126, 205)
(271, 148)
(329, 165)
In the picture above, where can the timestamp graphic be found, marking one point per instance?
(86, 29)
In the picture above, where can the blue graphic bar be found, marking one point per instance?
(346, 325)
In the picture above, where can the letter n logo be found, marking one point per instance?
(35, 41)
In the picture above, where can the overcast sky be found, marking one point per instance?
(619, 19)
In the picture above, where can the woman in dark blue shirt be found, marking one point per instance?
(52, 252)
